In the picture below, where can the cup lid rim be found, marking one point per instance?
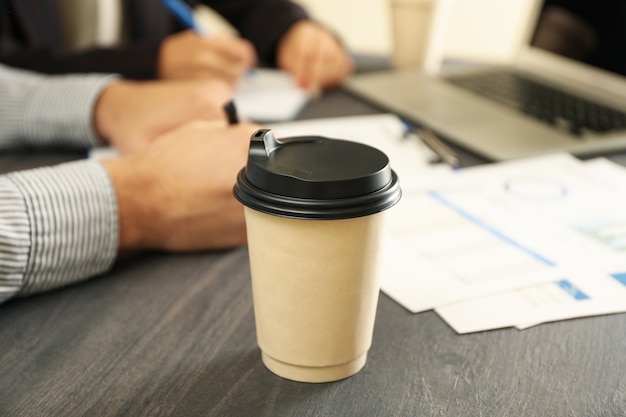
(320, 209)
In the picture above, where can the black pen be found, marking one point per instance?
(435, 144)
(231, 113)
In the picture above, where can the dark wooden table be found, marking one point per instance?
(173, 335)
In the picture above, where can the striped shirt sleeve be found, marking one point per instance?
(58, 225)
(43, 110)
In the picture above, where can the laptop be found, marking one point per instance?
(565, 90)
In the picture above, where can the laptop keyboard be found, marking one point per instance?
(543, 102)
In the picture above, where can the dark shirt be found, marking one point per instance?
(31, 36)
(607, 19)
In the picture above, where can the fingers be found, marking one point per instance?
(233, 49)
(313, 56)
(327, 64)
(177, 194)
(187, 55)
(225, 57)
(130, 115)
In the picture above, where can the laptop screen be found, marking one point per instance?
(589, 31)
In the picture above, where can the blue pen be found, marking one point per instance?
(184, 13)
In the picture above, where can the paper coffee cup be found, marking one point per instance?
(314, 217)
(419, 32)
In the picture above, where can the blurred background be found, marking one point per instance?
(365, 26)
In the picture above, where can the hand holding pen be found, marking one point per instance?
(198, 53)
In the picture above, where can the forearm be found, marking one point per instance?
(39, 110)
(58, 225)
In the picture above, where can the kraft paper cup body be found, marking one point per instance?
(418, 33)
(315, 288)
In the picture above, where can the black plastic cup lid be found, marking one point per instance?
(314, 177)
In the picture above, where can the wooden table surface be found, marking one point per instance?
(173, 335)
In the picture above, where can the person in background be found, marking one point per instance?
(589, 32)
(171, 189)
(140, 39)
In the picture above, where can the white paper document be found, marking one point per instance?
(268, 95)
(512, 244)
(579, 295)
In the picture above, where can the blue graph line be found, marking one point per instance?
(495, 232)
(572, 290)
(621, 277)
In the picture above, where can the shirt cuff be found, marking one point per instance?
(14, 239)
(73, 220)
(59, 110)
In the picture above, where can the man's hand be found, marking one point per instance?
(177, 195)
(187, 55)
(130, 115)
(313, 56)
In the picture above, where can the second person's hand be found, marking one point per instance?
(313, 56)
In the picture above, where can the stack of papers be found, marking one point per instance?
(512, 244)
